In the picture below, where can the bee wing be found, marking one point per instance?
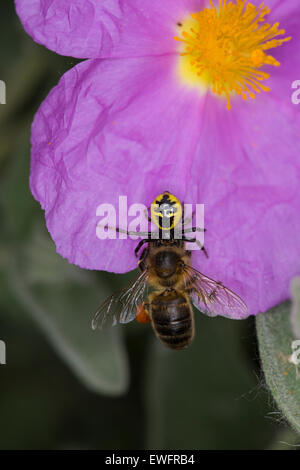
(121, 307)
(212, 298)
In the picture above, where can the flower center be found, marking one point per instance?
(225, 48)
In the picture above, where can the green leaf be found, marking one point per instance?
(286, 439)
(295, 312)
(62, 299)
(18, 208)
(59, 296)
(206, 396)
(275, 345)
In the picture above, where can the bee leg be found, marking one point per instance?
(142, 314)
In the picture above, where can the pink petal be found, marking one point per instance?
(127, 127)
(282, 77)
(249, 164)
(105, 28)
(92, 141)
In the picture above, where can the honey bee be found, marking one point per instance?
(165, 269)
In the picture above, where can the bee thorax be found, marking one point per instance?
(165, 263)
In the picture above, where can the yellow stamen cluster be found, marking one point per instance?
(226, 47)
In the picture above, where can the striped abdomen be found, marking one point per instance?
(172, 318)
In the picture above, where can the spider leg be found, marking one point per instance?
(194, 240)
(139, 246)
(138, 234)
(141, 261)
(146, 213)
(194, 229)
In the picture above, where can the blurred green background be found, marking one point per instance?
(67, 387)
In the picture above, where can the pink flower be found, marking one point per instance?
(136, 119)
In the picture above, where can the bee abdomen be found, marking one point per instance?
(172, 320)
